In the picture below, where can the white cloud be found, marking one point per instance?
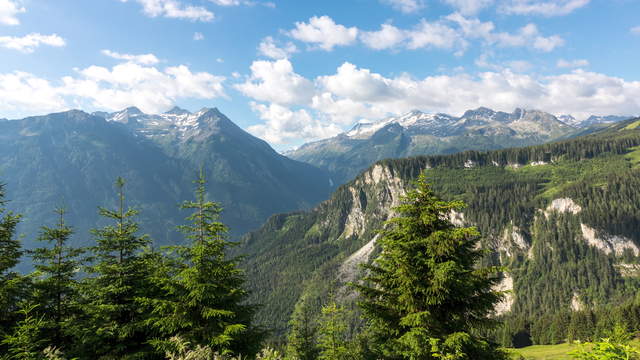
(24, 94)
(542, 7)
(276, 82)
(434, 35)
(226, 2)
(324, 33)
(635, 30)
(174, 9)
(270, 49)
(131, 84)
(198, 36)
(220, 60)
(28, 43)
(354, 93)
(562, 63)
(528, 35)
(8, 11)
(144, 59)
(469, 7)
(95, 87)
(405, 6)
(283, 124)
(387, 37)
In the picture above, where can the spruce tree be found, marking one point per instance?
(55, 285)
(302, 344)
(12, 284)
(425, 296)
(115, 327)
(204, 296)
(332, 333)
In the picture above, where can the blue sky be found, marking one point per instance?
(293, 71)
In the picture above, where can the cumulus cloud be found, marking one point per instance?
(542, 7)
(197, 36)
(276, 82)
(9, 10)
(22, 92)
(528, 35)
(283, 124)
(387, 37)
(562, 63)
(469, 7)
(405, 6)
(324, 33)
(453, 32)
(336, 101)
(270, 49)
(28, 43)
(174, 9)
(144, 59)
(146, 87)
(127, 84)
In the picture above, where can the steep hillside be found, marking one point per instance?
(418, 133)
(562, 217)
(72, 159)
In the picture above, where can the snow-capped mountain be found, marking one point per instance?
(419, 133)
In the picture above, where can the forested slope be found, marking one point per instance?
(561, 217)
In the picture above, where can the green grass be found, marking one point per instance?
(545, 352)
(632, 125)
(550, 352)
(634, 155)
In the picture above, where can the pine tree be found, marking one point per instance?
(26, 341)
(55, 286)
(424, 297)
(204, 296)
(12, 285)
(115, 322)
(332, 333)
(301, 342)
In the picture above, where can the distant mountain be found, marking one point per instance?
(72, 159)
(591, 120)
(418, 133)
(562, 218)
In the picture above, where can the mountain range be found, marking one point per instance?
(72, 159)
(561, 218)
(419, 133)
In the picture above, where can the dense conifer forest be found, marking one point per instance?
(429, 290)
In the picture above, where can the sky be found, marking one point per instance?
(293, 71)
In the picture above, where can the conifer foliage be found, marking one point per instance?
(118, 277)
(424, 297)
(11, 283)
(204, 300)
(55, 286)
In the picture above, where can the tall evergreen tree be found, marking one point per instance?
(204, 296)
(332, 333)
(115, 322)
(12, 284)
(424, 296)
(55, 285)
(302, 344)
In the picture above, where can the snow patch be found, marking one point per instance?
(469, 164)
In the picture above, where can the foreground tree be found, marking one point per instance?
(424, 297)
(203, 299)
(55, 285)
(12, 285)
(301, 342)
(114, 326)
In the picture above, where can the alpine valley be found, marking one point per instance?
(72, 159)
(561, 218)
